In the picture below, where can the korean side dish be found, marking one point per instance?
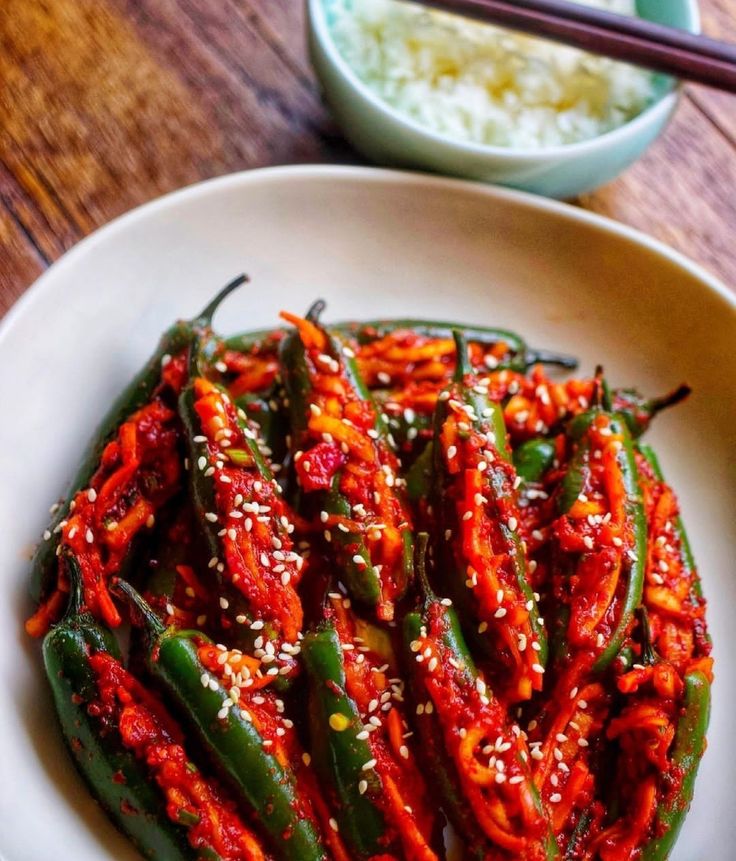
(380, 577)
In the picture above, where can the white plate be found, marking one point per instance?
(372, 243)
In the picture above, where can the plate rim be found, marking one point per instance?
(187, 193)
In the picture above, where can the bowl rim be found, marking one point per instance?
(658, 110)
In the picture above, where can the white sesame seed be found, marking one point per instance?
(517, 778)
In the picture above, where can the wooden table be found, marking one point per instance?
(105, 104)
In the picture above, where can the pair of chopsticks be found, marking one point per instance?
(642, 43)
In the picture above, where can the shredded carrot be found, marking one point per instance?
(312, 336)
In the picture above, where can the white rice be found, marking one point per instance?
(479, 83)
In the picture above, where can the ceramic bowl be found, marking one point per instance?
(388, 137)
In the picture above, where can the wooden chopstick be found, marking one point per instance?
(634, 40)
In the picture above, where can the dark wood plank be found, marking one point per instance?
(23, 260)
(98, 120)
(107, 106)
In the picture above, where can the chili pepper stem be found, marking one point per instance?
(462, 366)
(648, 653)
(315, 310)
(602, 397)
(656, 405)
(204, 318)
(76, 595)
(153, 625)
(546, 357)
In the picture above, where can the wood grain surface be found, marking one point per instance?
(105, 104)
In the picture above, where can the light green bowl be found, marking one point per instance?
(388, 137)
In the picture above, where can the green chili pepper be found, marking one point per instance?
(419, 477)
(270, 417)
(687, 751)
(138, 393)
(202, 489)
(639, 410)
(688, 561)
(340, 756)
(365, 581)
(245, 342)
(409, 430)
(484, 418)
(432, 743)
(236, 747)
(117, 779)
(533, 458)
(633, 557)
(521, 356)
